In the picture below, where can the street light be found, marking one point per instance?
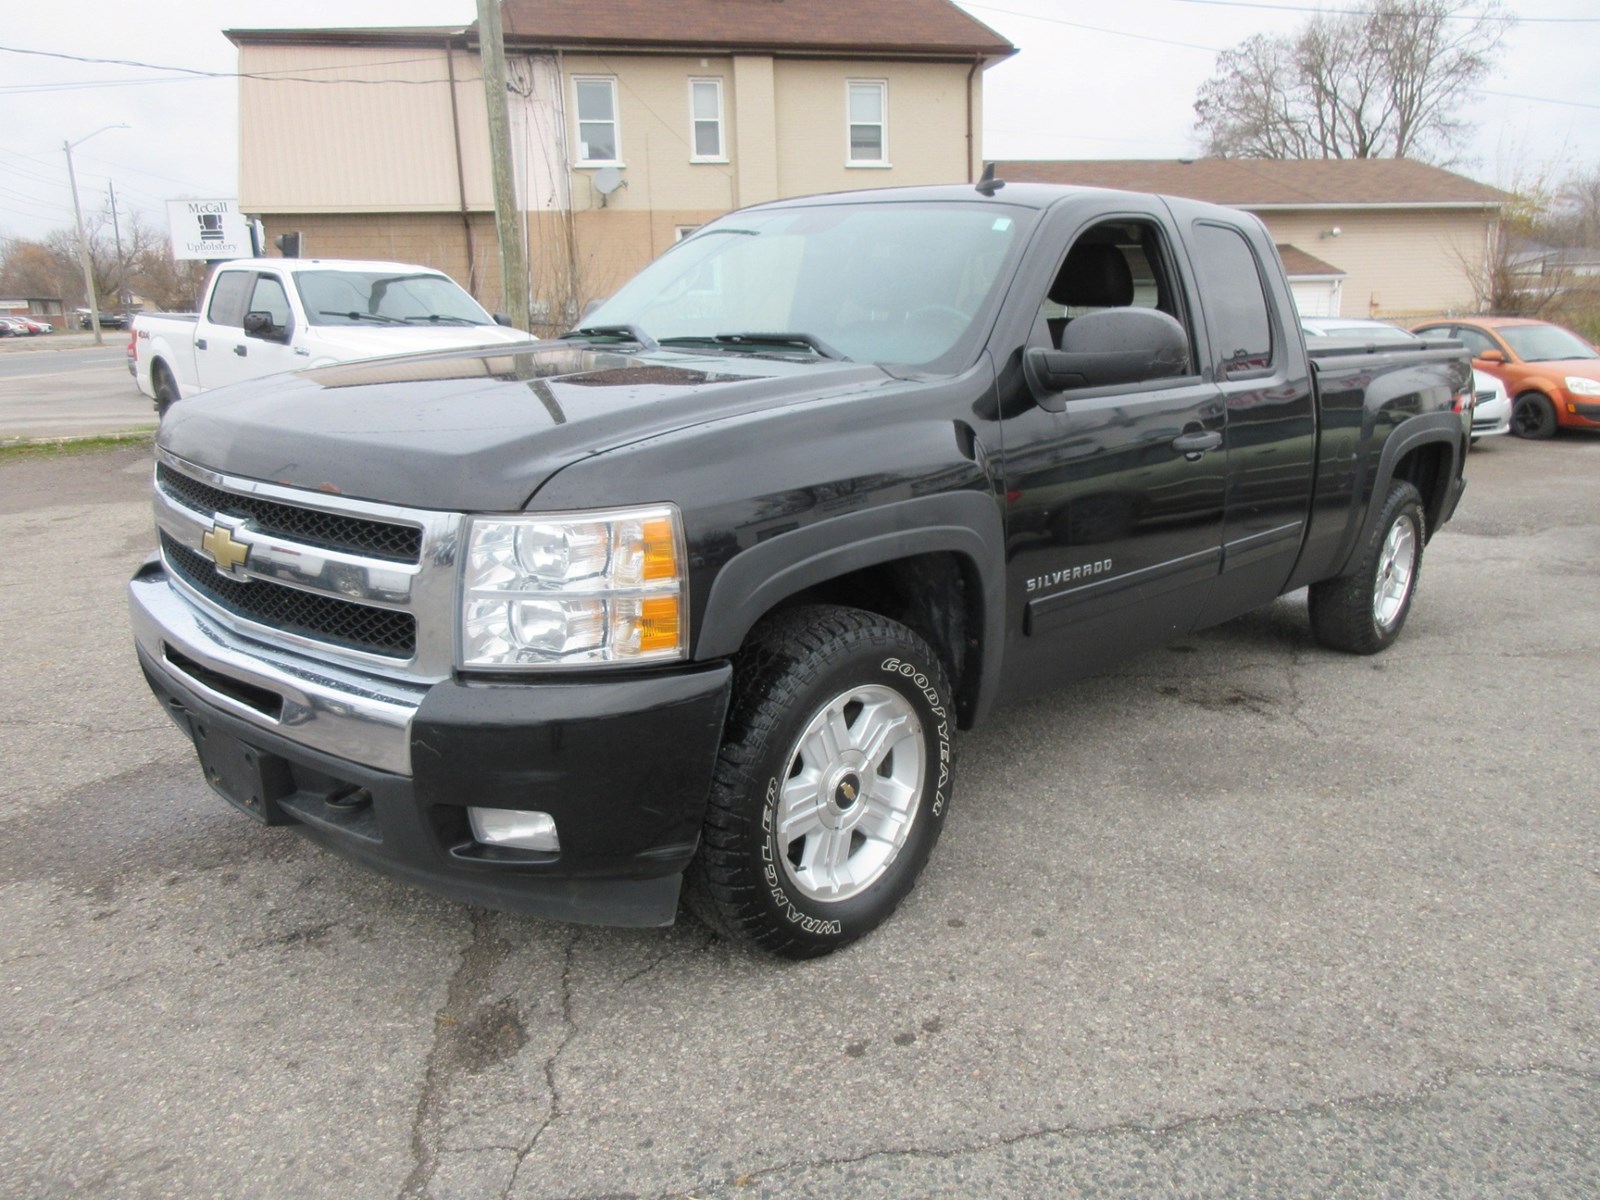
(83, 244)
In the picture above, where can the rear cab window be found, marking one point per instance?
(1238, 313)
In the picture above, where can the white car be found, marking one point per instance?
(1491, 410)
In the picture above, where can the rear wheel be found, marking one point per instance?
(1533, 416)
(164, 386)
(1364, 611)
(832, 783)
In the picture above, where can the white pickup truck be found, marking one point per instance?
(265, 315)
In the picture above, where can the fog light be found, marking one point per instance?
(517, 827)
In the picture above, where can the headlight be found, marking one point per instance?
(574, 589)
(1580, 386)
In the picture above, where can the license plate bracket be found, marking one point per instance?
(250, 779)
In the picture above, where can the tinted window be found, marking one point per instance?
(1236, 304)
(269, 297)
(1475, 342)
(228, 297)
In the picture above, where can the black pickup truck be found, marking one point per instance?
(697, 596)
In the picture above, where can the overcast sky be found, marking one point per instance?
(1093, 80)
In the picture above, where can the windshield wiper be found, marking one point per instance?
(757, 342)
(362, 316)
(436, 318)
(621, 333)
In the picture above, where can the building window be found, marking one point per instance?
(705, 115)
(599, 138)
(869, 123)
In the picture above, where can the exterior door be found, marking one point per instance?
(1114, 505)
(231, 355)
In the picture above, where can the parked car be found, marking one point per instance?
(260, 316)
(1491, 410)
(12, 328)
(35, 326)
(108, 320)
(1551, 374)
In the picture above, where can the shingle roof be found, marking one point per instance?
(1260, 182)
(931, 27)
(1298, 263)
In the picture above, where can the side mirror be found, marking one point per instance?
(503, 319)
(260, 325)
(1492, 356)
(1103, 349)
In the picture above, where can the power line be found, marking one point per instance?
(263, 76)
(1138, 37)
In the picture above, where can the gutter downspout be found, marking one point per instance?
(976, 63)
(461, 174)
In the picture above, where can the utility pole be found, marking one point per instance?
(116, 232)
(83, 251)
(83, 243)
(509, 222)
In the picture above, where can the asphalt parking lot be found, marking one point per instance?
(1242, 918)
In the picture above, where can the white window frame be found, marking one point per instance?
(882, 85)
(615, 122)
(721, 156)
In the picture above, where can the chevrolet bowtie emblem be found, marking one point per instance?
(228, 554)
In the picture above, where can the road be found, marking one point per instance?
(1242, 918)
(63, 385)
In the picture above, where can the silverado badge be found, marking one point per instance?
(228, 554)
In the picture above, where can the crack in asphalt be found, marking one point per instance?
(554, 1111)
(480, 958)
(1373, 1103)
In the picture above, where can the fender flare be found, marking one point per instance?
(966, 524)
(1443, 428)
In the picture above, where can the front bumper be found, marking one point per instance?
(623, 764)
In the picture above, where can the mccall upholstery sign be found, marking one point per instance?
(208, 229)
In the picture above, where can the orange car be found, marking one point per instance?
(1553, 375)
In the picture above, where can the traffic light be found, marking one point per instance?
(288, 244)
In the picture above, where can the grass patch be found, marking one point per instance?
(61, 447)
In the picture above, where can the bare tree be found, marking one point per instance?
(1381, 82)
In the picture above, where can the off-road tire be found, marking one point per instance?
(809, 681)
(1362, 612)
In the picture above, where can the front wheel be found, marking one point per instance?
(1533, 416)
(832, 783)
(1363, 612)
(164, 386)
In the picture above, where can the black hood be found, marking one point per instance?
(476, 430)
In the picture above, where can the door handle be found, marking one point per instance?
(1193, 445)
(242, 351)
(199, 343)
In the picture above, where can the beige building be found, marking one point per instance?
(1378, 237)
(632, 123)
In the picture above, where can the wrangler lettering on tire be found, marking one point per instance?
(832, 783)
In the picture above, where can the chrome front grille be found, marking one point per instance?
(314, 527)
(306, 614)
(350, 581)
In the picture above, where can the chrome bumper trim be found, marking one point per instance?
(340, 711)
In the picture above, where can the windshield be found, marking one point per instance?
(333, 297)
(881, 283)
(1545, 343)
